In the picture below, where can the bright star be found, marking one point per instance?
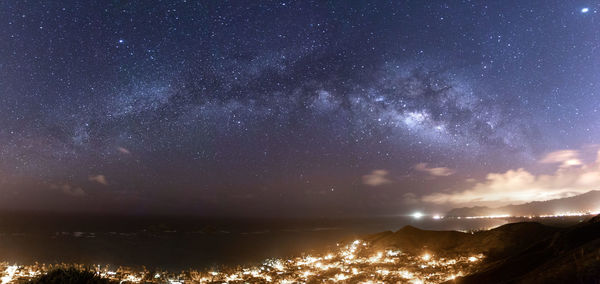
(585, 10)
(121, 41)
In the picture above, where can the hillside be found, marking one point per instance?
(571, 255)
(495, 243)
(524, 252)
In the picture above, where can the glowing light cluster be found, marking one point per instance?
(488, 216)
(355, 262)
(570, 214)
(417, 215)
(555, 215)
(9, 274)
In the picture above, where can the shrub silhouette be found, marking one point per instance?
(70, 276)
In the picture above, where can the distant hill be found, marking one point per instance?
(525, 252)
(570, 255)
(495, 243)
(589, 201)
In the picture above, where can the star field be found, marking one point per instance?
(251, 108)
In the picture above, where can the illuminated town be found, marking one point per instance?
(500, 216)
(355, 262)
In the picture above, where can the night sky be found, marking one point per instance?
(296, 108)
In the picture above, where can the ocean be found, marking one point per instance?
(180, 243)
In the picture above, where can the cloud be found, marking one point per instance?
(410, 198)
(520, 185)
(439, 172)
(566, 158)
(123, 150)
(101, 179)
(69, 190)
(376, 178)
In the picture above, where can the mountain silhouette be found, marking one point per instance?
(570, 255)
(525, 252)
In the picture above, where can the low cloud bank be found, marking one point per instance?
(571, 177)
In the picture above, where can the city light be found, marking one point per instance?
(417, 215)
(554, 215)
(355, 262)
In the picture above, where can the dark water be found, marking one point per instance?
(186, 242)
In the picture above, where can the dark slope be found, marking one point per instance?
(515, 253)
(416, 241)
(495, 243)
(570, 255)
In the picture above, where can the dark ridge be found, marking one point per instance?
(569, 255)
(495, 243)
(595, 219)
(71, 275)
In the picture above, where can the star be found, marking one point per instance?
(228, 97)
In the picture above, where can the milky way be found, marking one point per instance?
(253, 108)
